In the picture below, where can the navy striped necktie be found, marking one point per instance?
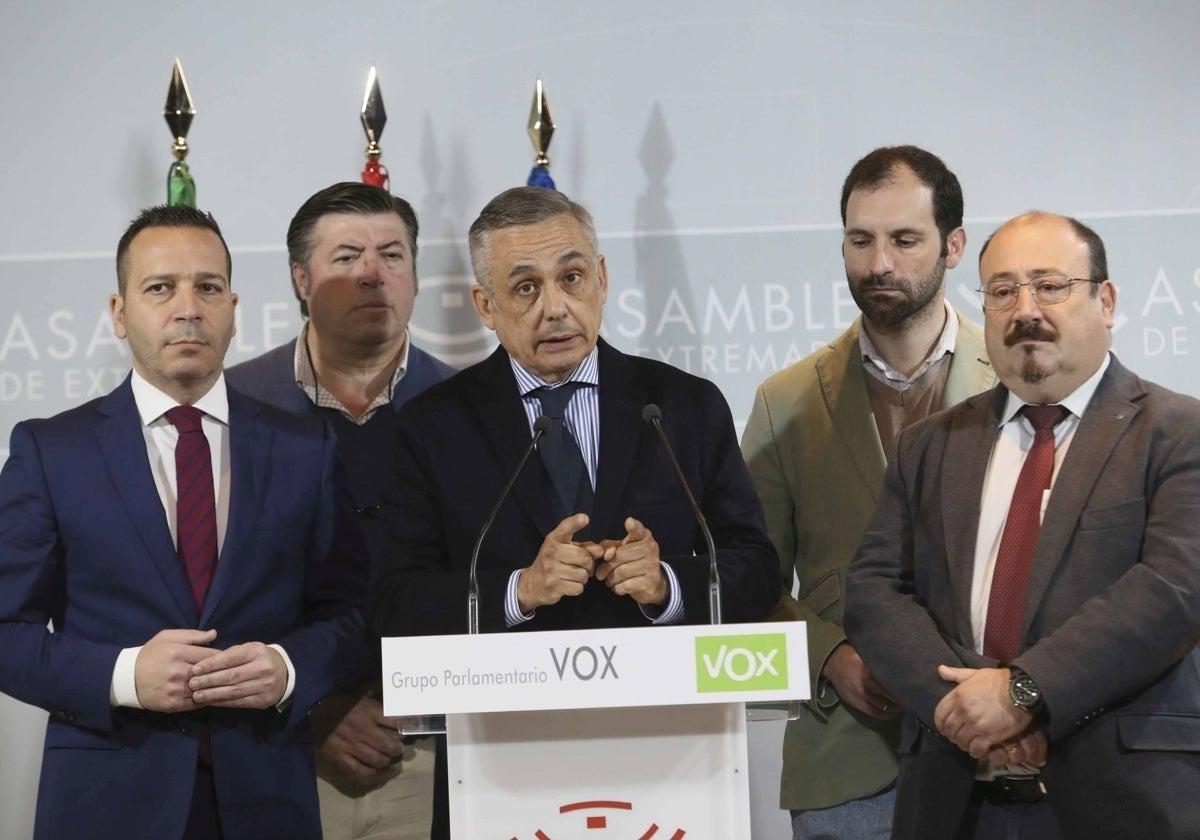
(561, 454)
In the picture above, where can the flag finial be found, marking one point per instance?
(374, 118)
(541, 131)
(178, 112)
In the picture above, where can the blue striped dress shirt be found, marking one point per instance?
(582, 417)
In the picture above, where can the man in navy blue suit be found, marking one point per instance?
(597, 531)
(195, 553)
(353, 255)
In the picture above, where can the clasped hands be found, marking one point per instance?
(177, 671)
(628, 566)
(979, 717)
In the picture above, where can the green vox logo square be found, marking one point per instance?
(753, 662)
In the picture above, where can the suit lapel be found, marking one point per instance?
(844, 388)
(964, 466)
(622, 397)
(419, 376)
(1103, 423)
(123, 446)
(502, 417)
(284, 378)
(249, 457)
(970, 371)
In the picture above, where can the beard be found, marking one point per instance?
(1031, 372)
(896, 311)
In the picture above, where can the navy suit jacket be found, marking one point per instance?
(461, 439)
(271, 378)
(84, 544)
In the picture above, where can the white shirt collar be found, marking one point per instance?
(153, 403)
(945, 345)
(587, 371)
(1076, 402)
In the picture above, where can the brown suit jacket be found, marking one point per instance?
(1112, 617)
(814, 454)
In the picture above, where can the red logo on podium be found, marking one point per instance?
(600, 821)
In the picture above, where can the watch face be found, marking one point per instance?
(1025, 691)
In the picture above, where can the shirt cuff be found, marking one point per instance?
(123, 691)
(291, 682)
(512, 607)
(673, 612)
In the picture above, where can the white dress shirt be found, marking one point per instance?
(1000, 482)
(582, 418)
(161, 436)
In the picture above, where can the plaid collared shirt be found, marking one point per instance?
(306, 378)
(885, 373)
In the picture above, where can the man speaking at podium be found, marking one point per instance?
(597, 531)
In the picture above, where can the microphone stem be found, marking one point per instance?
(473, 580)
(714, 580)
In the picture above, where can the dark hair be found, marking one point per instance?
(1097, 257)
(164, 215)
(517, 207)
(344, 197)
(879, 167)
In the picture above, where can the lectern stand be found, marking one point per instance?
(636, 733)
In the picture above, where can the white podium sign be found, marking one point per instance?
(631, 732)
(587, 669)
(663, 773)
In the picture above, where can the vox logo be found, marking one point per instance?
(584, 663)
(752, 662)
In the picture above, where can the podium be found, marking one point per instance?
(632, 733)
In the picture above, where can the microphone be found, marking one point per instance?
(652, 415)
(540, 427)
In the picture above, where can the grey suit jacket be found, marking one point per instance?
(1112, 616)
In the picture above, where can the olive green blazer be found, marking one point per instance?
(814, 454)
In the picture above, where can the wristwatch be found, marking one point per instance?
(1024, 691)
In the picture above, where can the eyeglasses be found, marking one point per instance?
(1047, 290)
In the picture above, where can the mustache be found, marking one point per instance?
(187, 332)
(556, 331)
(881, 281)
(1028, 331)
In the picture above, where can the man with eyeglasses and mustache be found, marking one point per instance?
(816, 444)
(1029, 586)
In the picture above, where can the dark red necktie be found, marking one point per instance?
(195, 518)
(196, 505)
(1010, 579)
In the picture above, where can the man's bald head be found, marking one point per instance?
(1097, 258)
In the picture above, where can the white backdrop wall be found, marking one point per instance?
(709, 139)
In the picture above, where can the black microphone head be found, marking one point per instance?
(542, 424)
(650, 413)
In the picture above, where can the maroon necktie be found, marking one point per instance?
(195, 518)
(1010, 579)
(195, 506)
